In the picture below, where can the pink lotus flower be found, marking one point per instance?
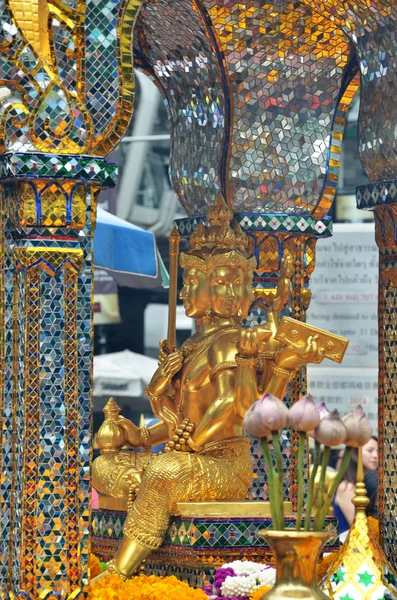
(266, 415)
(304, 415)
(359, 430)
(331, 430)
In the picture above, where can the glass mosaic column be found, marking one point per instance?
(257, 95)
(382, 199)
(371, 27)
(67, 92)
(47, 224)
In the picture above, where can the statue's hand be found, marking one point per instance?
(247, 345)
(164, 351)
(131, 431)
(294, 358)
(172, 364)
(164, 374)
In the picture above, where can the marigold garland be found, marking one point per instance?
(258, 593)
(94, 565)
(324, 565)
(144, 587)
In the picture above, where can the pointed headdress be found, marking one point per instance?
(218, 243)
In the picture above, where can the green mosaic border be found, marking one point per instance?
(201, 533)
(21, 165)
(269, 223)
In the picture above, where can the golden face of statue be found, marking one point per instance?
(227, 290)
(195, 293)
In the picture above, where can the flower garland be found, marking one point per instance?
(95, 566)
(238, 580)
(143, 587)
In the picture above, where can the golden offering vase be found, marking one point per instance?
(296, 555)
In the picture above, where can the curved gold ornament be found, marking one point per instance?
(51, 100)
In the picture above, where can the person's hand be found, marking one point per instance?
(247, 345)
(294, 358)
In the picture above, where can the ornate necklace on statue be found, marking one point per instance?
(198, 339)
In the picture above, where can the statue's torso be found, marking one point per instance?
(195, 385)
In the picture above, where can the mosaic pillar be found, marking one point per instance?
(382, 199)
(47, 231)
(67, 94)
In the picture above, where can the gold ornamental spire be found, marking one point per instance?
(360, 570)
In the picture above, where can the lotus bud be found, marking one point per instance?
(253, 423)
(303, 415)
(266, 415)
(323, 412)
(331, 430)
(359, 430)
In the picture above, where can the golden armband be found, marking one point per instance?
(250, 362)
(283, 373)
(145, 437)
(152, 397)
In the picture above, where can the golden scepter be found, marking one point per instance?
(174, 241)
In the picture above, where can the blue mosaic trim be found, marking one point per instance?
(376, 194)
(20, 165)
(270, 223)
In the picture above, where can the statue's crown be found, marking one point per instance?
(218, 243)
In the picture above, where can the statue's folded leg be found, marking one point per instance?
(223, 474)
(113, 474)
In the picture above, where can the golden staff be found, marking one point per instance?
(174, 241)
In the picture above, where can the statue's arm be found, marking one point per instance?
(159, 433)
(143, 437)
(246, 385)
